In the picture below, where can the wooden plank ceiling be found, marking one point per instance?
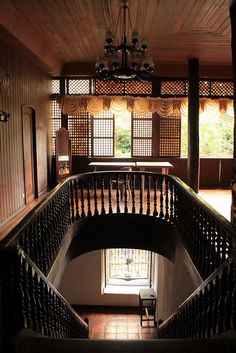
(64, 34)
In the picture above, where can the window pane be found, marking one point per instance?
(128, 264)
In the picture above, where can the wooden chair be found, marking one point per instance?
(121, 183)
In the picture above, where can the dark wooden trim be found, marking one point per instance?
(193, 126)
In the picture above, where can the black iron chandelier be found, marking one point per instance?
(124, 61)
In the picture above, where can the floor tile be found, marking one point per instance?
(118, 325)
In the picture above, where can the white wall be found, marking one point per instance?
(175, 282)
(82, 283)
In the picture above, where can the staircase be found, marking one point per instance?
(81, 204)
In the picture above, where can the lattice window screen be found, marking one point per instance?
(142, 135)
(169, 138)
(56, 86)
(138, 87)
(103, 135)
(79, 129)
(174, 88)
(108, 87)
(56, 122)
(78, 86)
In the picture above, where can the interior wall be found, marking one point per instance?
(29, 86)
(81, 283)
(175, 282)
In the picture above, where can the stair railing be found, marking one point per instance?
(210, 310)
(31, 302)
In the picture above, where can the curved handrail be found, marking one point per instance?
(208, 236)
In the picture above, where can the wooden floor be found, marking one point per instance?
(220, 199)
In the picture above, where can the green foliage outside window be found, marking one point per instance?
(215, 135)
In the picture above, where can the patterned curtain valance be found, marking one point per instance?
(94, 105)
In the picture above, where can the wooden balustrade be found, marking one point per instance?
(208, 237)
(31, 302)
(41, 233)
(210, 310)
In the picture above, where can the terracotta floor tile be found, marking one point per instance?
(133, 329)
(133, 336)
(116, 325)
(122, 329)
(98, 336)
(110, 336)
(122, 336)
(110, 329)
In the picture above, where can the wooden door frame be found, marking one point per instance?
(34, 146)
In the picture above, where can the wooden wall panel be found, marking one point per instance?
(29, 86)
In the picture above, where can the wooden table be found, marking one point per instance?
(164, 166)
(119, 165)
(147, 302)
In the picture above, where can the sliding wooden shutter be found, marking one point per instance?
(142, 135)
(80, 132)
(169, 136)
(103, 135)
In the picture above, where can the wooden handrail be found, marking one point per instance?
(31, 302)
(209, 310)
(208, 237)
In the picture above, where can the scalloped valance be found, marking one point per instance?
(94, 105)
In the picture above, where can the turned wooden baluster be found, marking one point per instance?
(82, 198)
(77, 215)
(132, 184)
(161, 197)
(141, 187)
(155, 212)
(110, 194)
(103, 211)
(171, 201)
(166, 199)
(39, 304)
(89, 212)
(148, 194)
(95, 197)
(72, 210)
(117, 178)
(42, 252)
(126, 181)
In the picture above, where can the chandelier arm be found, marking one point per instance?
(139, 65)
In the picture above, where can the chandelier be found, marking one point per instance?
(126, 60)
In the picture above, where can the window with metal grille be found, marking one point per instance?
(128, 265)
(141, 135)
(56, 122)
(103, 135)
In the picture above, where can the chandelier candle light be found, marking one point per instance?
(124, 61)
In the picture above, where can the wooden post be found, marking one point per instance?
(193, 126)
(233, 46)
